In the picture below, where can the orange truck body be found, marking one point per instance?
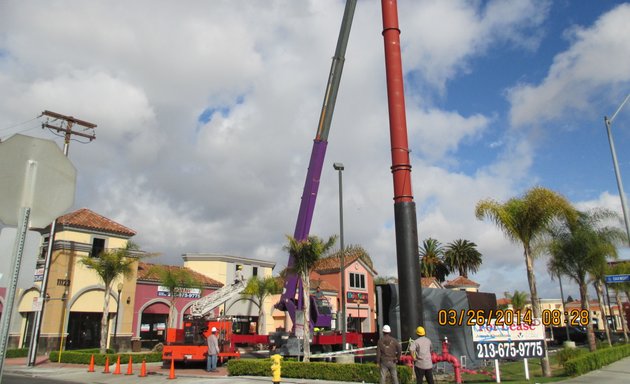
(188, 345)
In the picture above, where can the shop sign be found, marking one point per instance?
(145, 327)
(186, 293)
(357, 297)
(39, 275)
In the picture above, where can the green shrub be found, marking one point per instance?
(595, 360)
(565, 354)
(322, 371)
(81, 357)
(11, 353)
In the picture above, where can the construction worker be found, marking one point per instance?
(388, 352)
(213, 350)
(421, 351)
(238, 276)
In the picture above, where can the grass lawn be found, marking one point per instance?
(514, 373)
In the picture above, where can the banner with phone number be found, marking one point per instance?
(509, 349)
(509, 342)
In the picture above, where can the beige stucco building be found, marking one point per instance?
(74, 302)
(222, 268)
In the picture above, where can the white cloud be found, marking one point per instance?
(597, 59)
(449, 34)
(439, 133)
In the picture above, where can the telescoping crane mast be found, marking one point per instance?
(289, 301)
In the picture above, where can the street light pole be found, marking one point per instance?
(120, 287)
(622, 195)
(564, 310)
(342, 268)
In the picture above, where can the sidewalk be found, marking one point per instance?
(77, 373)
(615, 373)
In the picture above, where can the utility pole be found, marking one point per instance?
(88, 133)
(68, 132)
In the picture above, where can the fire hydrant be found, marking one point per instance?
(276, 368)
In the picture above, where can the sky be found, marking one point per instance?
(206, 114)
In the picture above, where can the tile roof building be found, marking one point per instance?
(150, 273)
(91, 221)
(463, 284)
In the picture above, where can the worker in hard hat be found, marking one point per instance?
(420, 349)
(388, 352)
(238, 276)
(213, 350)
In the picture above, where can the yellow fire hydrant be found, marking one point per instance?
(276, 368)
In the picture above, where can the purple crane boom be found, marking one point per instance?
(291, 299)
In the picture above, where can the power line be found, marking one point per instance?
(18, 124)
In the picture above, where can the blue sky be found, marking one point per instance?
(206, 116)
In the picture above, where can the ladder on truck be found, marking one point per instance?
(203, 306)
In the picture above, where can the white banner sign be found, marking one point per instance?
(514, 332)
(514, 341)
(38, 303)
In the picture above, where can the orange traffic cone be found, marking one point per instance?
(129, 367)
(143, 369)
(171, 374)
(91, 368)
(117, 370)
(106, 370)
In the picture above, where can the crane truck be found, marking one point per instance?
(409, 295)
(188, 344)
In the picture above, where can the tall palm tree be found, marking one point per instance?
(257, 290)
(432, 260)
(305, 254)
(174, 278)
(524, 220)
(462, 256)
(582, 247)
(110, 265)
(518, 299)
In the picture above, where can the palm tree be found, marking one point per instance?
(432, 260)
(582, 247)
(110, 265)
(305, 254)
(524, 220)
(258, 290)
(174, 278)
(463, 256)
(518, 299)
